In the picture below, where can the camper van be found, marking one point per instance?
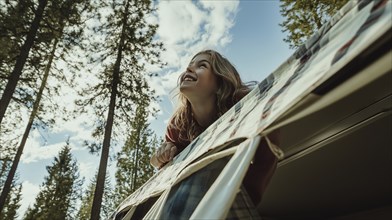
(332, 104)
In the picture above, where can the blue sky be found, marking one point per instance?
(257, 47)
(247, 33)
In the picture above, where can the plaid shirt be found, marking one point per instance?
(185, 196)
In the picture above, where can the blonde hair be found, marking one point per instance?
(230, 90)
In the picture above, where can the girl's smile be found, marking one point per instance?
(188, 77)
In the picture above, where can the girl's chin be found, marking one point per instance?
(186, 86)
(187, 90)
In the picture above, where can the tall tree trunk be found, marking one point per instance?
(11, 174)
(136, 161)
(3, 166)
(100, 185)
(20, 62)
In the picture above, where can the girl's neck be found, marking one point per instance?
(204, 112)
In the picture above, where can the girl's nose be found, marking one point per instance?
(190, 69)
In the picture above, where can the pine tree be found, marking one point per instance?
(15, 18)
(87, 201)
(129, 46)
(59, 15)
(59, 191)
(133, 161)
(12, 202)
(21, 59)
(304, 17)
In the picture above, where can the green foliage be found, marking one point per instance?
(124, 47)
(56, 18)
(59, 36)
(59, 191)
(12, 202)
(87, 201)
(10, 211)
(304, 17)
(61, 21)
(15, 17)
(133, 161)
(128, 47)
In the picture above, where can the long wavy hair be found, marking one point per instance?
(230, 90)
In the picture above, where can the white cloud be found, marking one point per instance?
(219, 31)
(179, 21)
(34, 152)
(79, 128)
(29, 192)
(186, 27)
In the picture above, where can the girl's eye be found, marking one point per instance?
(203, 65)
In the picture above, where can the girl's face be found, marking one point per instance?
(198, 81)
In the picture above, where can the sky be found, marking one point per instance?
(246, 32)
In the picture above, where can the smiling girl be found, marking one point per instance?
(209, 87)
